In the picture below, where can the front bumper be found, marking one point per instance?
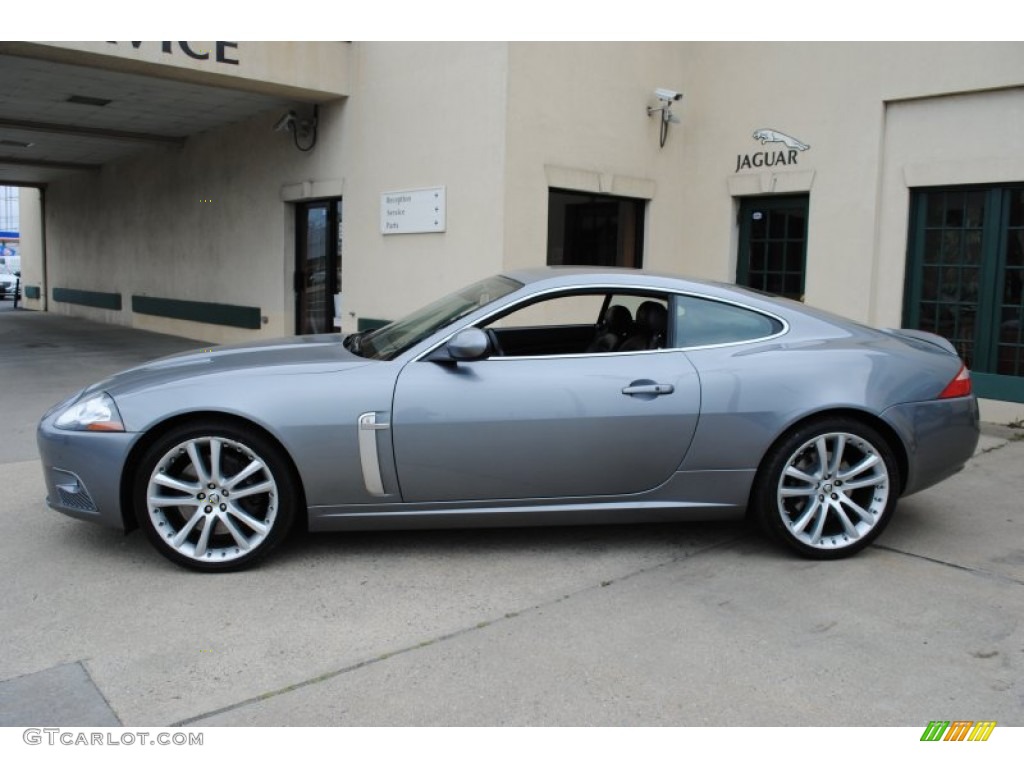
(83, 471)
(940, 437)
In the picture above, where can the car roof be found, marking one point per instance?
(567, 276)
(552, 277)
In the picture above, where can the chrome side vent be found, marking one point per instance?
(368, 428)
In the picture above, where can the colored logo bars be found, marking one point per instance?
(958, 730)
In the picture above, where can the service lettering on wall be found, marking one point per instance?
(223, 51)
(772, 156)
(410, 211)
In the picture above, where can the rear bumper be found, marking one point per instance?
(940, 437)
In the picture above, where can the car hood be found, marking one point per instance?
(293, 355)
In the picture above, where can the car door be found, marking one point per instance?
(542, 426)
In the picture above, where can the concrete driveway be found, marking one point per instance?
(637, 625)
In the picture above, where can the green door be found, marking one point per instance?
(965, 270)
(773, 244)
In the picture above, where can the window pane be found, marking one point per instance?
(594, 230)
(1015, 249)
(932, 247)
(934, 208)
(950, 247)
(975, 209)
(955, 204)
(563, 310)
(972, 247)
(757, 257)
(758, 225)
(1016, 207)
(797, 226)
(700, 322)
(929, 283)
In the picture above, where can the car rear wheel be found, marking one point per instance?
(828, 489)
(214, 497)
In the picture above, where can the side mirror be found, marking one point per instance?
(468, 344)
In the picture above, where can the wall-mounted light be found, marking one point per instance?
(666, 98)
(303, 130)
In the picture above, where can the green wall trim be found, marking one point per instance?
(995, 387)
(32, 292)
(97, 299)
(199, 311)
(370, 324)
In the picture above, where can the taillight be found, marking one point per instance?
(960, 386)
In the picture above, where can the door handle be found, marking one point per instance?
(648, 388)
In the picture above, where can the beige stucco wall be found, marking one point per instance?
(202, 223)
(577, 120)
(213, 221)
(499, 124)
(833, 97)
(423, 115)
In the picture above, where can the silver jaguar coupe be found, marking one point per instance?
(541, 397)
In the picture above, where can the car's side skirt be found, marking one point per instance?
(710, 495)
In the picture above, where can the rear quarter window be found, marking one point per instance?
(702, 322)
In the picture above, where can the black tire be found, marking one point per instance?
(214, 496)
(823, 505)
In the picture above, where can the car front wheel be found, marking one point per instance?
(828, 489)
(214, 497)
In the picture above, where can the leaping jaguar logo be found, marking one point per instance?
(765, 135)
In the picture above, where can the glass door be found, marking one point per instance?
(318, 267)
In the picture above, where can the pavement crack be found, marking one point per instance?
(88, 673)
(966, 568)
(510, 616)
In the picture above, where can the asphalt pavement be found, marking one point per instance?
(684, 624)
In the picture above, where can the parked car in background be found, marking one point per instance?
(537, 397)
(9, 285)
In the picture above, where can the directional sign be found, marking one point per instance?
(408, 211)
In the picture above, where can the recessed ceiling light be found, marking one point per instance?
(13, 143)
(90, 101)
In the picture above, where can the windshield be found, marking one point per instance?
(394, 338)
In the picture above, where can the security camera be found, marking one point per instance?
(666, 95)
(287, 121)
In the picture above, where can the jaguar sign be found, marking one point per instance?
(772, 157)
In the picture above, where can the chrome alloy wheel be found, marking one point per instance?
(212, 499)
(833, 491)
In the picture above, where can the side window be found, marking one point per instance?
(582, 323)
(702, 322)
(556, 311)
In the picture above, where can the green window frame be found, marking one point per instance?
(965, 279)
(773, 244)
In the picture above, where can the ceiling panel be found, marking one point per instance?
(37, 91)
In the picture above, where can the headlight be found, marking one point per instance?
(94, 414)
